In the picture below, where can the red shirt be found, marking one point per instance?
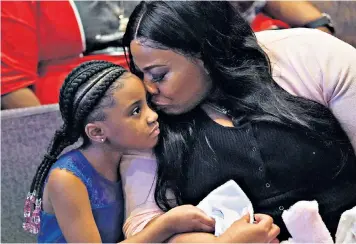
(42, 41)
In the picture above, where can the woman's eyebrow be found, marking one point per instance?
(152, 66)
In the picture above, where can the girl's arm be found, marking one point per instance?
(70, 201)
(182, 219)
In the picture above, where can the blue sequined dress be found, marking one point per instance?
(105, 197)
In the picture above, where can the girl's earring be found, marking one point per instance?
(102, 139)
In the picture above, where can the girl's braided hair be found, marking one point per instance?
(86, 91)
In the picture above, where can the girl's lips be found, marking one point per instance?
(155, 131)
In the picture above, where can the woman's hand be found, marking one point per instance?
(241, 231)
(187, 218)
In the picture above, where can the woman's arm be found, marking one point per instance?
(157, 231)
(241, 231)
(138, 177)
(138, 171)
(337, 62)
(319, 67)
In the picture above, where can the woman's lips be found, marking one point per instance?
(159, 103)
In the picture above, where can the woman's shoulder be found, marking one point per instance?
(291, 36)
(138, 160)
(311, 43)
(302, 60)
(295, 44)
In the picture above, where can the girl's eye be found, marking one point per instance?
(136, 111)
(158, 78)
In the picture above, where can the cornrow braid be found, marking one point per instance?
(76, 104)
(74, 80)
(81, 115)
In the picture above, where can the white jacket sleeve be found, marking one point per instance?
(317, 66)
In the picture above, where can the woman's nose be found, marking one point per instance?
(151, 87)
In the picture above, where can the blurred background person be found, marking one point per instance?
(264, 15)
(43, 40)
(334, 17)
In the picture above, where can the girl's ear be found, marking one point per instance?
(95, 132)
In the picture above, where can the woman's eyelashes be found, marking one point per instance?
(158, 78)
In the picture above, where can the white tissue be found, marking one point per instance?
(346, 230)
(226, 204)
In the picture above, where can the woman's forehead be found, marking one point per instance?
(145, 56)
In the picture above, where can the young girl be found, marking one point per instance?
(77, 197)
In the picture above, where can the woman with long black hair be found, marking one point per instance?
(273, 111)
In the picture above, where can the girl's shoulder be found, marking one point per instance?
(101, 191)
(74, 162)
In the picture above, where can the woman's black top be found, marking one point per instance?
(275, 165)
